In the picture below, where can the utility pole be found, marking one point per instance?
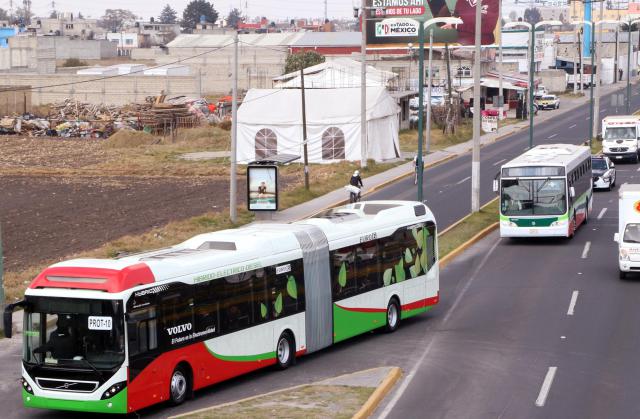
(500, 90)
(575, 66)
(596, 112)
(363, 88)
(629, 47)
(616, 64)
(304, 131)
(475, 164)
(2, 296)
(580, 54)
(233, 188)
(531, 82)
(419, 161)
(429, 82)
(593, 64)
(326, 16)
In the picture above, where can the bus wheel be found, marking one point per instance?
(572, 227)
(393, 315)
(285, 351)
(179, 386)
(586, 213)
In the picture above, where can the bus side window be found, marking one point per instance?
(142, 330)
(431, 245)
(368, 266)
(343, 273)
(237, 309)
(286, 291)
(176, 310)
(206, 309)
(392, 255)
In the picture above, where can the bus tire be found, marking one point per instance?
(586, 213)
(572, 227)
(285, 351)
(179, 385)
(393, 315)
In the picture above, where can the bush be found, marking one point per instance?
(225, 125)
(73, 62)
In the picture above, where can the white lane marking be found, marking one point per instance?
(585, 252)
(604, 210)
(463, 180)
(551, 136)
(546, 386)
(587, 118)
(504, 160)
(572, 126)
(407, 381)
(572, 304)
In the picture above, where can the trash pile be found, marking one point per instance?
(72, 118)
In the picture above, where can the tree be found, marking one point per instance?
(302, 59)
(197, 9)
(4, 15)
(23, 15)
(234, 18)
(532, 15)
(168, 15)
(115, 19)
(53, 15)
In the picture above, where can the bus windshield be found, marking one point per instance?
(533, 197)
(74, 333)
(620, 133)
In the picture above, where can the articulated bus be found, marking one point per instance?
(116, 336)
(547, 191)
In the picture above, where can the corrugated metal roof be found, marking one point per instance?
(329, 39)
(215, 40)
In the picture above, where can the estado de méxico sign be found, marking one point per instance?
(398, 28)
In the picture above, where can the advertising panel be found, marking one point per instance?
(262, 188)
(381, 35)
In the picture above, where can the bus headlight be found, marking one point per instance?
(557, 223)
(113, 390)
(624, 255)
(26, 386)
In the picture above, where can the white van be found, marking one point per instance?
(628, 235)
(620, 135)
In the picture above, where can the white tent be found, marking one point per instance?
(270, 122)
(335, 74)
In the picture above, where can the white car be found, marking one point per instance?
(604, 172)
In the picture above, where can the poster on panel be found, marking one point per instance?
(396, 31)
(262, 188)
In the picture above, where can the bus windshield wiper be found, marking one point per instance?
(543, 184)
(93, 367)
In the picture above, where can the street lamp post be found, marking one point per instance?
(629, 47)
(532, 29)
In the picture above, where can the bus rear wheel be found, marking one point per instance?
(393, 315)
(178, 386)
(285, 351)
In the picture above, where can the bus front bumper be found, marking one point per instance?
(116, 404)
(558, 229)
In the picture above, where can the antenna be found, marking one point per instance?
(325, 11)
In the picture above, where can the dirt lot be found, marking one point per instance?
(53, 203)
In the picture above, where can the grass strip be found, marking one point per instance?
(467, 228)
(313, 401)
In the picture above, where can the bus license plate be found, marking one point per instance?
(100, 323)
(533, 231)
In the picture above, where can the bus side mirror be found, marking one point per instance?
(572, 192)
(616, 237)
(495, 185)
(8, 317)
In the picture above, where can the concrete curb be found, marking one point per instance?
(460, 221)
(464, 246)
(383, 389)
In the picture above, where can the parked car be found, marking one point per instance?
(548, 102)
(604, 172)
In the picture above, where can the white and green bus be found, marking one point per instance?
(118, 335)
(545, 192)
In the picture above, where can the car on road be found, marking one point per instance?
(548, 102)
(604, 172)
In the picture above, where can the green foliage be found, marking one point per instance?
(168, 15)
(387, 276)
(416, 236)
(423, 260)
(413, 272)
(263, 310)
(278, 304)
(342, 275)
(115, 19)
(235, 17)
(195, 9)
(302, 59)
(292, 287)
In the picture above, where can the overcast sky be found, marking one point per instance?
(274, 9)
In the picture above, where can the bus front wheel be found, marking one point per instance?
(178, 386)
(285, 351)
(393, 315)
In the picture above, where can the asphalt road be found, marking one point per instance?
(486, 348)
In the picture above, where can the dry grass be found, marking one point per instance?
(464, 231)
(130, 139)
(313, 401)
(409, 138)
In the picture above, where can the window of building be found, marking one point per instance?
(463, 71)
(128, 41)
(333, 144)
(266, 143)
(69, 26)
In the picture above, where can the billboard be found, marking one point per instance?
(395, 34)
(262, 188)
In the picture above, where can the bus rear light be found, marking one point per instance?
(113, 390)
